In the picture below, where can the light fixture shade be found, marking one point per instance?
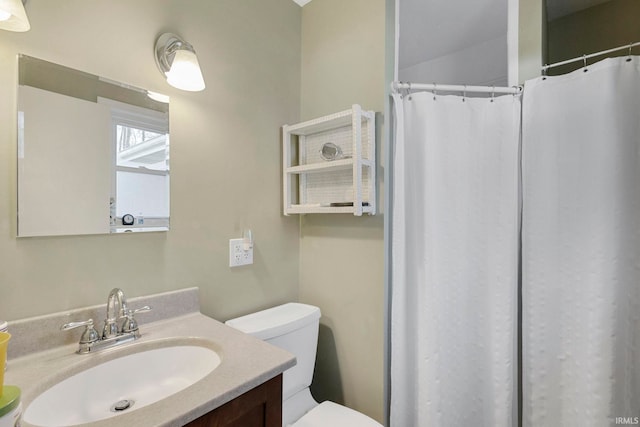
(13, 16)
(177, 61)
(185, 72)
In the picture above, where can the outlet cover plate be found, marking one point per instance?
(238, 255)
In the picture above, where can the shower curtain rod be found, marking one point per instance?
(585, 57)
(398, 86)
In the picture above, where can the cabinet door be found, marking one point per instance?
(259, 407)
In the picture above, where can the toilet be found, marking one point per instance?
(294, 327)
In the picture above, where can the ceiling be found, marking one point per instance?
(433, 28)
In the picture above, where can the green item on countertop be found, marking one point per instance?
(9, 400)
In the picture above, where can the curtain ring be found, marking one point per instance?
(434, 91)
(464, 94)
(517, 91)
(409, 91)
(584, 58)
(493, 92)
(630, 47)
(544, 71)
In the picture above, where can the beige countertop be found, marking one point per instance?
(246, 362)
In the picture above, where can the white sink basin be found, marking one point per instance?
(137, 379)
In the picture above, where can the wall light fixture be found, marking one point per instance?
(13, 16)
(177, 60)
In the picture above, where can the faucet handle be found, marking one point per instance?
(73, 325)
(130, 324)
(144, 309)
(90, 335)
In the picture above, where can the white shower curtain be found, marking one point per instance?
(581, 247)
(454, 261)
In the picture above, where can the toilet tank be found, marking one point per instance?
(292, 327)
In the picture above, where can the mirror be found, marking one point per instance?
(93, 154)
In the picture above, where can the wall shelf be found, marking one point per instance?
(347, 184)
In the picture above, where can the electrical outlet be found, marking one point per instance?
(238, 255)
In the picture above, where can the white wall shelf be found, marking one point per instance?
(312, 184)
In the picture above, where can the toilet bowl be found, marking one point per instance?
(294, 327)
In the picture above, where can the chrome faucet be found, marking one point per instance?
(114, 332)
(116, 310)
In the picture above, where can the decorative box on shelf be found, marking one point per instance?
(329, 164)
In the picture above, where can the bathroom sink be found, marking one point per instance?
(121, 385)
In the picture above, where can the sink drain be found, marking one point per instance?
(122, 405)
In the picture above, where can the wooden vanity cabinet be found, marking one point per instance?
(259, 407)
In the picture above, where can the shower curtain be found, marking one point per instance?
(454, 261)
(581, 247)
(455, 251)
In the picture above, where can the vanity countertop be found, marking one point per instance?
(246, 363)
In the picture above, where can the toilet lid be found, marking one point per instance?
(334, 415)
